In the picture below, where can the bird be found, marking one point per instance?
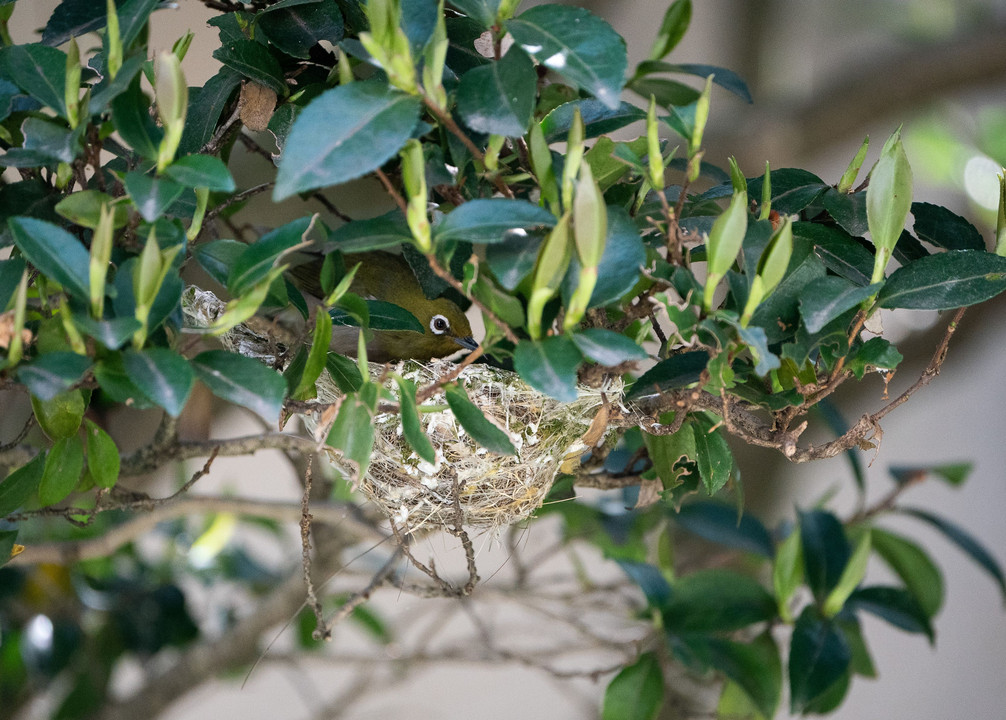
(388, 277)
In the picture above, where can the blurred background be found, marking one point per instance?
(824, 74)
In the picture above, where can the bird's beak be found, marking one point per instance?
(467, 342)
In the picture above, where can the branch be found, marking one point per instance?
(151, 457)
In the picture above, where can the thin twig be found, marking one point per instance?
(321, 630)
(428, 391)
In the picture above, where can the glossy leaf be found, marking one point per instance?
(672, 28)
(549, 366)
(943, 281)
(353, 430)
(498, 98)
(53, 373)
(578, 45)
(598, 119)
(723, 524)
(708, 601)
(792, 189)
(915, 568)
(381, 315)
(259, 258)
(839, 252)
(825, 550)
(606, 347)
(828, 298)
(819, 656)
(201, 171)
(482, 10)
(18, 487)
(59, 416)
(725, 78)
(163, 376)
(713, 456)
(650, 580)
(636, 692)
(345, 372)
(412, 427)
(677, 371)
(379, 233)
(103, 460)
(343, 134)
(63, 466)
(895, 605)
(475, 423)
(316, 357)
(847, 209)
(242, 381)
(112, 333)
(669, 454)
(297, 28)
(253, 60)
(754, 666)
(888, 200)
(55, 252)
(491, 220)
(850, 578)
(40, 71)
(945, 229)
(151, 195)
(131, 117)
(618, 270)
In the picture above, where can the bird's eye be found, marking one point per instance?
(439, 324)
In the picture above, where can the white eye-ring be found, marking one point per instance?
(439, 324)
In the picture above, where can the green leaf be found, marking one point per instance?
(63, 467)
(847, 209)
(110, 372)
(874, 353)
(598, 119)
(8, 541)
(549, 366)
(915, 568)
(151, 195)
(636, 692)
(53, 373)
(201, 171)
(580, 46)
(787, 573)
(384, 231)
(84, 208)
(498, 98)
(839, 252)
(162, 375)
(708, 601)
(677, 371)
(343, 134)
(721, 523)
(381, 315)
(895, 605)
(55, 252)
(672, 28)
(258, 260)
(947, 280)
(353, 430)
(59, 416)
(792, 189)
(252, 60)
(726, 79)
(345, 372)
(112, 333)
(21, 484)
(945, 229)
(242, 381)
(40, 71)
(11, 271)
(713, 456)
(475, 423)
(316, 358)
(295, 28)
(852, 575)
(606, 347)
(650, 579)
(482, 10)
(954, 474)
(828, 298)
(755, 666)
(819, 656)
(131, 117)
(963, 540)
(206, 105)
(102, 456)
(491, 220)
(825, 550)
(670, 454)
(888, 200)
(412, 428)
(618, 271)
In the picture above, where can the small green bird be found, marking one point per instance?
(383, 276)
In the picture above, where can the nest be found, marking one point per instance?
(490, 490)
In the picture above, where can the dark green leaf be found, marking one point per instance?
(45, 143)
(316, 358)
(514, 259)
(112, 333)
(343, 134)
(201, 171)
(819, 656)
(151, 195)
(217, 257)
(636, 692)
(839, 252)
(952, 279)
(677, 371)
(672, 28)
(825, 550)
(848, 209)
(253, 60)
(102, 456)
(874, 353)
(60, 416)
(598, 119)
(914, 566)
(669, 94)
(828, 298)
(549, 366)
(755, 666)
(110, 88)
(53, 373)
(163, 376)
(21, 484)
(384, 231)
(381, 315)
(779, 312)
(344, 371)
(708, 601)
(792, 189)
(491, 220)
(296, 28)
(131, 117)
(63, 466)
(757, 341)
(726, 79)
(895, 605)
(206, 104)
(482, 10)
(713, 456)
(133, 16)
(618, 271)
(963, 540)
(242, 381)
(475, 423)
(945, 229)
(412, 427)
(353, 430)
(55, 252)
(72, 18)
(40, 71)
(580, 46)
(260, 257)
(11, 271)
(650, 580)
(419, 19)
(606, 347)
(722, 524)
(110, 372)
(8, 539)
(498, 98)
